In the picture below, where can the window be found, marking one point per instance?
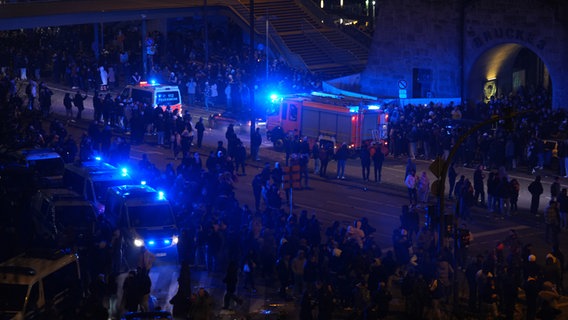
(284, 111)
(74, 181)
(150, 216)
(13, 296)
(293, 113)
(58, 283)
(142, 96)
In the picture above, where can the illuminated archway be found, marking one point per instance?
(504, 69)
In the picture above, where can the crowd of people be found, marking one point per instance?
(325, 270)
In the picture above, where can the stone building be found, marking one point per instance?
(468, 48)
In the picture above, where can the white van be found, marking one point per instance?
(145, 217)
(91, 179)
(154, 94)
(34, 283)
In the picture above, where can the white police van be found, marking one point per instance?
(91, 179)
(145, 218)
(37, 282)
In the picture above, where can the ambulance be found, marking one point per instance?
(155, 94)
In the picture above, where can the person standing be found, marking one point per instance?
(410, 183)
(562, 157)
(255, 145)
(45, 99)
(423, 188)
(68, 104)
(200, 128)
(515, 189)
(563, 208)
(378, 158)
(230, 280)
(555, 188)
(535, 189)
(365, 157)
(240, 157)
(452, 176)
(191, 90)
(324, 155)
(478, 186)
(316, 157)
(551, 219)
(341, 157)
(78, 102)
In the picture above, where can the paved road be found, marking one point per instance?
(344, 201)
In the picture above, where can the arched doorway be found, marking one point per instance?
(507, 68)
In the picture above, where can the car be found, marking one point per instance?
(223, 120)
(241, 122)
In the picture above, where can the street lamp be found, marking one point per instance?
(252, 73)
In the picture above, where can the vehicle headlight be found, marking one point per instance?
(138, 242)
(175, 239)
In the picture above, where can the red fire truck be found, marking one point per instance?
(327, 117)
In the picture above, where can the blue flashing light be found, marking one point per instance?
(167, 241)
(98, 158)
(374, 107)
(143, 182)
(354, 109)
(124, 171)
(151, 242)
(161, 195)
(274, 97)
(153, 82)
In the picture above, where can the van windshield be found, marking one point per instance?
(12, 297)
(101, 187)
(75, 216)
(150, 216)
(48, 167)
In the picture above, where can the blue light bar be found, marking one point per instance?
(161, 195)
(151, 242)
(374, 107)
(143, 182)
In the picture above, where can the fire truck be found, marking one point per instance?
(330, 118)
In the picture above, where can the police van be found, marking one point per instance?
(63, 216)
(154, 94)
(91, 179)
(46, 164)
(145, 218)
(36, 283)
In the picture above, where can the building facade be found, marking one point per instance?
(468, 49)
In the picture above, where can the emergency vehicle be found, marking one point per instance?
(154, 94)
(327, 117)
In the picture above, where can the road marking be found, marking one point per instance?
(497, 231)
(364, 209)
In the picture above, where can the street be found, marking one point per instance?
(341, 200)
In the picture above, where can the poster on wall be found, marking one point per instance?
(489, 90)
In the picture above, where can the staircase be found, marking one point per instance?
(323, 49)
